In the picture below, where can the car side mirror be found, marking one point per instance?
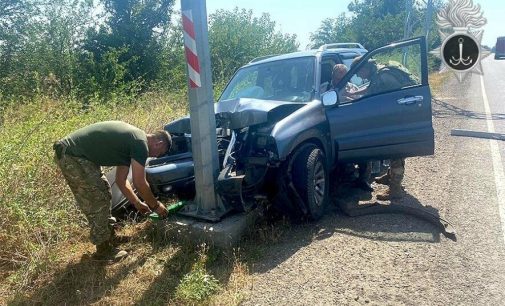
(330, 98)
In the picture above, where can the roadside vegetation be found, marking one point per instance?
(68, 63)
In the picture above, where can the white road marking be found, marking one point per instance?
(499, 175)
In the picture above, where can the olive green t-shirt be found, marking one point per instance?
(109, 143)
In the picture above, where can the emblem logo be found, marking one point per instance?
(461, 51)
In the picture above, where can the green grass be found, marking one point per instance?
(197, 285)
(36, 207)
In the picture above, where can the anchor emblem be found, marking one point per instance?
(465, 61)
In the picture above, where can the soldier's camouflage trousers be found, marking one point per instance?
(91, 191)
(396, 171)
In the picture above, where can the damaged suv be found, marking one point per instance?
(282, 128)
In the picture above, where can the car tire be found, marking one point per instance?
(311, 181)
(280, 197)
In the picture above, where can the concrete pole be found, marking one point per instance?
(427, 21)
(408, 15)
(407, 28)
(201, 107)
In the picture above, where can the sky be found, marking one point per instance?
(304, 17)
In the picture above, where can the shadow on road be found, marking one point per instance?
(380, 227)
(444, 109)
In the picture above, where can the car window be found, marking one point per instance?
(283, 80)
(347, 59)
(390, 70)
(327, 64)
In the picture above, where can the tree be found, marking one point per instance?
(39, 42)
(14, 23)
(374, 23)
(133, 26)
(237, 37)
(173, 72)
(333, 30)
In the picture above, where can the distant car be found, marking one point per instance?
(500, 48)
(281, 129)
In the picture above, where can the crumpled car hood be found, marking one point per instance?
(239, 113)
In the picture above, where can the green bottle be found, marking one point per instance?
(172, 209)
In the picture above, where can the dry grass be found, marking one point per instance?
(149, 276)
(437, 81)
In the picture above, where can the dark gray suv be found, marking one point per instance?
(282, 128)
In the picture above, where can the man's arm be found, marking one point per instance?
(140, 182)
(124, 185)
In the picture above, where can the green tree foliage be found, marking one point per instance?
(173, 72)
(105, 49)
(237, 37)
(333, 30)
(39, 53)
(59, 42)
(14, 27)
(375, 23)
(132, 31)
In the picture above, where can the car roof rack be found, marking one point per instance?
(257, 59)
(349, 45)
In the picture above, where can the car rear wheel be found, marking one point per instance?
(310, 179)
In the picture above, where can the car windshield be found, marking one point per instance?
(284, 80)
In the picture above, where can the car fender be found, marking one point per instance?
(309, 123)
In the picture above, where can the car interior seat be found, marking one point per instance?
(326, 71)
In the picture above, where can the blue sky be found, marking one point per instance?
(303, 17)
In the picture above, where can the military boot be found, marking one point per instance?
(106, 251)
(392, 193)
(383, 180)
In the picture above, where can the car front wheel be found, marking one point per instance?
(310, 179)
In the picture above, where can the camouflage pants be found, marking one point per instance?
(396, 171)
(92, 193)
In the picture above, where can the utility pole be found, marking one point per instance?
(427, 21)
(207, 204)
(407, 29)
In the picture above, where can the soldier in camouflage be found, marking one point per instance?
(80, 156)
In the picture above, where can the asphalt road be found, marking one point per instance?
(399, 259)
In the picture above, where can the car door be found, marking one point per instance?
(386, 122)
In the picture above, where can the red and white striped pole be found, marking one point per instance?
(190, 49)
(201, 112)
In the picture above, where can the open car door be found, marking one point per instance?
(385, 112)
